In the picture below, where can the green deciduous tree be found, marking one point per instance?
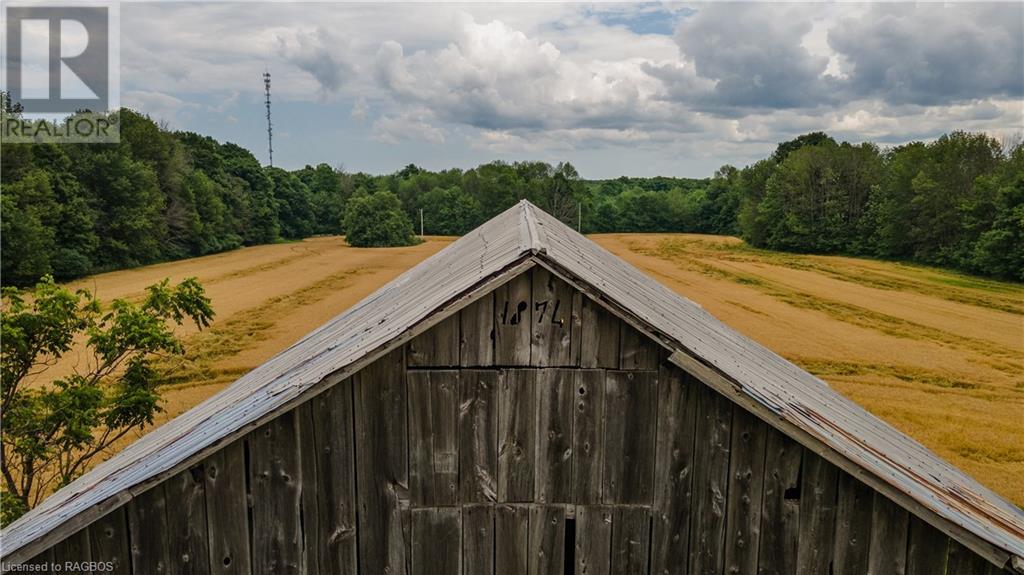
(377, 220)
(295, 204)
(52, 430)
(450, 212)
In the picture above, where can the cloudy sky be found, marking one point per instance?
(635, 89)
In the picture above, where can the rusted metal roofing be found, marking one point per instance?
(787, 396)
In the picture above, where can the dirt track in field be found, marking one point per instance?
(937, 354)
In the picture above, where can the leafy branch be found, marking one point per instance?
(51, 431)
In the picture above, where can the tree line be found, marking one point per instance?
(71, 210)
(955, 202)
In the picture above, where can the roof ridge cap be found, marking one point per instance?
(533, 240)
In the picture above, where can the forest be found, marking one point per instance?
(158, 195)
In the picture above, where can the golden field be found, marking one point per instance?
(937, 354)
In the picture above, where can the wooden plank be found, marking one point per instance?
(404, 519)
(588, 435)
(636, 350)
(41, 563)
(476, 333)
(108, 539)
(382, 456)
(818, 490)
(333, 459)
(673, 476)
(927, 549)
(517, 430)
(227, 513)
(599, 332)
(552, 320)
(853, 526)
(962, 561)
(547, 540)
(631, 529)
(73, 554)
(630, 413)
(710, 482)
(148, 534)
(593, 540)
(188, 542)
(275, 477)
(746, 489)
(478, 435)
(780, 513)
(436, 347)
(478, 539)
(553, 464)
(436, 541)
(513, 320)
(313, 539)
(433, 443)
(576, 337)
(511, 539)
(887, 554)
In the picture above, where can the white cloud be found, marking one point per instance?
(360, 109)
(323, 55)
(163, 108)
(494, 77)
(411, 125)
(564, 79)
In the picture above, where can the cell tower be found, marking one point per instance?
(270, 127)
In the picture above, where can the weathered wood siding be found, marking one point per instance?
(534, 432)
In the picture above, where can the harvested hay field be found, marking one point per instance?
(937, 354)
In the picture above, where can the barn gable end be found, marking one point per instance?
(540, 415)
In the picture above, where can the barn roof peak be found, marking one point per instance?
(533, 241)
(787, 397)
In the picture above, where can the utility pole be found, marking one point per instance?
(270, 128)
(421, 222)
(579, 217)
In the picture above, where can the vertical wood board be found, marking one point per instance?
(436, 541)
(478, 539)
(630, 549)
(677, 417)
(148, 533)
(108, 538)
(552, 322)
(629, 437)
(438, 346)
(599, 331)
(476, 333)
(588, 436)
(746, 487)
(382, 456)
(189, 545)
(853, 526)
(478, 435)
(513, 321)
(780, 510)
(227, 514)
(517, 431)
(511, 539)
(547, 540)
(434, 437)
(276, 479)
(710, 482)
(593, 540)
(553, 466)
